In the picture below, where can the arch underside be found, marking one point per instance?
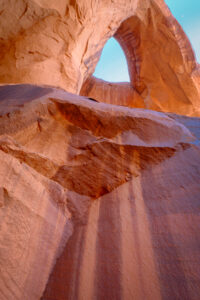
(161, 66)
(59, 44)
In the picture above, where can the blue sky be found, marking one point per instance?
(187, 12)
(113, 66)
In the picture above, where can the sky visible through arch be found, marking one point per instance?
(112, 65)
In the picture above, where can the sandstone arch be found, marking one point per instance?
(60, 44)
(161, 66)
(97, 201)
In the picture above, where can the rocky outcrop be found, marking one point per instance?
(59, 43)
(97, 201)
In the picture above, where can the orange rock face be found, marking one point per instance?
(99, 196)
(59, 43)
(158, 66)
(97, 201)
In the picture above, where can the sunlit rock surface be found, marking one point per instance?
(97, 201)
(99, 193)
(59, 43)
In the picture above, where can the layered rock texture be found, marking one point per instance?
(97, 201)
(59, 43)
(99, 193)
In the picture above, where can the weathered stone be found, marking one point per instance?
(97, 201)
(59, 43)
(123, 183)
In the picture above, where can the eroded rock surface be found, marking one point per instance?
(60, 42)
(97, 201)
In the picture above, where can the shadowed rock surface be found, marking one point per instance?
(98, 201)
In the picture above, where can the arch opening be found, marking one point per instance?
(112, 66)
(156, 81)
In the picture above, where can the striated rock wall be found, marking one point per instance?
(33, 226)
(113, 93)
(59, 43)
(97, 201)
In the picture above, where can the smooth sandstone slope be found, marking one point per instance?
(97, 201)
(59, 43)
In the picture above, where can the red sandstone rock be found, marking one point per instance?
(113, 93)
(123, 183)
(97, 201)
(59, 43)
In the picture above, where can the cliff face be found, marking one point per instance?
(59, 43)
(103, 199)
(97, 200)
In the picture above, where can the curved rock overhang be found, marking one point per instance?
(97, 201)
